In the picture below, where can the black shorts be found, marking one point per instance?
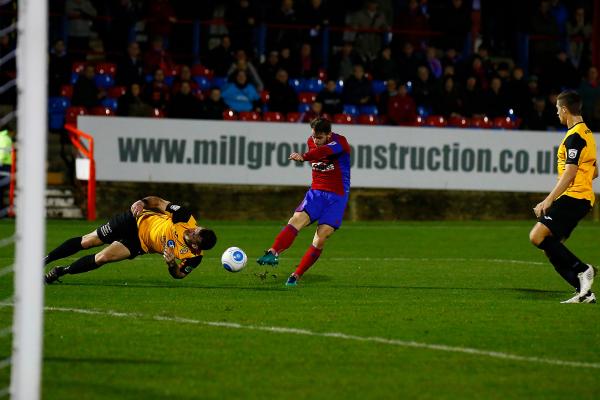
(564, 214)
(122, 228)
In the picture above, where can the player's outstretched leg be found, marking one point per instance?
(72, 246)
(312, 254)
(285, 238)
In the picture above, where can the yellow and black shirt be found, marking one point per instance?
(579, 148)
(157, 230)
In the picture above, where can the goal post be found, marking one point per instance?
(32, 47)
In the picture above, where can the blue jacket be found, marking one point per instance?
(240, 99)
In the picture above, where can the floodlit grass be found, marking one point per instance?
(476, 285)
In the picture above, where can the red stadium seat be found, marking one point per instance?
(322, 74)
(158, 113)
(230, 115)
(250, 116)
(66, 91)
(481, 122)
(78, 66)
(272, 116)
(106, 68)
(368, 119)
(419, 121)
(343, 119)
(201, 70)
(293, 117)
(437, 121)
(100, 110)
(307, 97)
(503, 123)
(116, 91)
(264, 96)
(72, 113)
(173, 71)
(459, 122)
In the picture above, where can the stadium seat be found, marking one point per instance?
(230, 115)
(66, 91)
(273, 116)
(378, 86)
(503, 123)
(322, 74)
(219, 81)
(202, 82)
(437, 121)
(56, 121)
(423, 111)
(106, 68)
(368, 109)
(103, 111)
(104, 81)
(296, 84)
(173, 71)
(303, 108)
(419, 121)
(74, 77)
(264, 96)
(158, 113)
(149, 78)
(58, 104)
(293, 117)
(78, 66)
(459, 122)
(116, 91)
(201, 70)
(368, 119)
(343, 119)
(110, 102)
(169, 80)
(481, 122)
(72, 113)
(313, 85)
(339, 86)
(351, 109)
(307, 97)
(250, 116)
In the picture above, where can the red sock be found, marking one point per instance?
(310, 257)
(285, 238)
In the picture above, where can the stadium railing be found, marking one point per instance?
(76, 136)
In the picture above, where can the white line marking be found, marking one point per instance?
(338, 335)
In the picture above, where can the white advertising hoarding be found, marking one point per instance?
(254, 153)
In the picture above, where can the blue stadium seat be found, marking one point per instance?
(378, 86)
(219, 81)
(351, 109)
(56, 120)
(149, 78)
(74, 77)
(110, 102)
(58, 104)
(369, 110)
(423, 111)
(296, 84)
(104, 81)
(169, 80)
(339, 86)
(303, 108)
(313, 85)
(202, 82)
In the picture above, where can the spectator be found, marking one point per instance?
(343, 62)
(330, 99)
(433, 63)
(385, 67)
(307, 64)
(96, 52)
(424, 89)
(316, 110)
(131, 103)
(156, 92)
(269, 68)
(185, 75)
(157, 57)
(241, 95)
(516, 91)
(400, 108)
(130, 69)
(242, 16)
(85, 91)
(357, 88)
(449, 103)
(580, 33)
(282, 97)
(473, 105)
(284, 15)
(496, 104)
(125, 15)
(159, 19)
(560, 74)
(560, 14)
(243, 64)
(408, 62)
(316, 15)
(412, 19)
(539, 118)
(451, 57)
(478, 70)
(368, 44)
(221, 57)
(533, 87)
(455, 22)
(214, 106)
(80, 14)
(544, 23)
(590, 97)
(59, 69)
(184, 103)
(285, 59)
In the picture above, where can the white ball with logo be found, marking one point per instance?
(234, 259)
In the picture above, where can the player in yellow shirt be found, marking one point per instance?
(152, 225)
(570, 200)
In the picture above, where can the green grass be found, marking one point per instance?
(474, 285)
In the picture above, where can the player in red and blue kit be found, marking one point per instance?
(325, 202)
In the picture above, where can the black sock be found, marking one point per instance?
(84, 264)
(68, 248)
(561, 255)
(567, 274)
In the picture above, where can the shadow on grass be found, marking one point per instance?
(167, 286)
(521, 290)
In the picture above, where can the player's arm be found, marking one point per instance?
(595, 171)
(180, 271)
(318, 153)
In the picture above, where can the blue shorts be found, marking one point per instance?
(326, 207)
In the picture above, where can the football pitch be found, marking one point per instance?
(424, 310)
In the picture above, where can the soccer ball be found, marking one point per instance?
(234, 259)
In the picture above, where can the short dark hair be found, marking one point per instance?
(208, 239)
(321, 125)
(571, 100)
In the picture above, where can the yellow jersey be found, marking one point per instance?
(157, 230)
(579, 147)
